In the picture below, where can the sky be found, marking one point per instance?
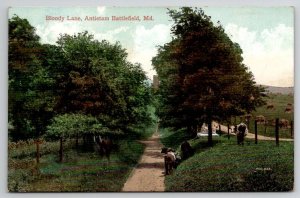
(265, 34)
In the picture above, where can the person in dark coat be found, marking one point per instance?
(186, 150)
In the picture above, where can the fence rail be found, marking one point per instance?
(280, 129)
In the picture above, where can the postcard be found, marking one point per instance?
(151, 99)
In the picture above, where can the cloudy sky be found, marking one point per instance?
(266, 35)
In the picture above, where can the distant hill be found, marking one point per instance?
(282, 90)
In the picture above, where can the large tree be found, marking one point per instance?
(100, 81)
(31, 98)
(202, 73)
(77, 75)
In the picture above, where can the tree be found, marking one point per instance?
(35, 70)
(31, 99)
(101, 82)
(209, 81)
(78, 75)
(76, 126)
(168, 94)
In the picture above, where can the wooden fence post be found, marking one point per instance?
(61, 150)
(37, 151)
(255, 128)
(277, 131)
(292, 129)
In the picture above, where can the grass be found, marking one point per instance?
(86, 172)
(280, 102)
(135, 133)
(23, 149)
(229, 167)
(80, 172)
(173, 139)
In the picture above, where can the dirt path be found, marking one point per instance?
(252, 136)
(148, 175)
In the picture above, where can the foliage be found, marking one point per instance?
(78, 75)
(75, 125)
(23, 48)
(201, 73)
(101, 82)
(32, 79)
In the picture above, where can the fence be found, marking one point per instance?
(273, 128)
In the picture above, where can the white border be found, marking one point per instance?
(4, 4)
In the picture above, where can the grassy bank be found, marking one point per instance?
(80, 171)
(229, 167)
(280, 102)
(172, 139)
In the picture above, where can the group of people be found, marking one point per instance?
(172, 159)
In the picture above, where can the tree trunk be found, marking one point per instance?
(194, 131)
(61, 150)
(228, 128)
(209, 125)
(77, 137)
(189, 129)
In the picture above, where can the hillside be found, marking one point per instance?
(227, 167)
(282, 90)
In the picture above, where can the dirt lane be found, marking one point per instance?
(149, 173)
(148, 176)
